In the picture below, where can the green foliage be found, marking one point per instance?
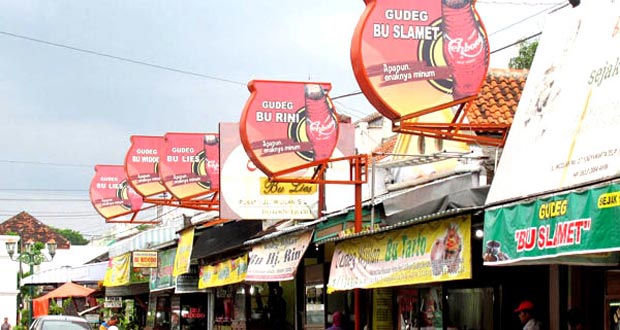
(54, 309)
(72, 236)
(527, 50)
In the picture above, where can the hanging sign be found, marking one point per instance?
(144, 259)
(110, 193)
(247, 193)
(184, 251)
(277, 260)
(572, 224)
(431, 252)
(287, 124)
(142, 165)
(411, 56)
(226, 272)
(189, 164)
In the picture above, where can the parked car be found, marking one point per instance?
(59, 322)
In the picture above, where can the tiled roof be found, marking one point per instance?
(28, 227)
(386, 147)
(498, 98)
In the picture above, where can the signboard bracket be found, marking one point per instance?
(457, 129)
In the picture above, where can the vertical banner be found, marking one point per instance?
(161, 277)
(142, 165)
(229, 271)
(287, 124)
(118, 272)
(247, 193)
(277, 260)
(190, 164)
(184, 252)
(410, 56)
(431, 252)
(110, 193)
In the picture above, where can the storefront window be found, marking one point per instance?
(420, 308)
(470, 308)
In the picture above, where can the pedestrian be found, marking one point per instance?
(6, 325)
(576, 319)
(527, 316)
(113, 322)
(336, 321)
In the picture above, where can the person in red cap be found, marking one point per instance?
(526, 316)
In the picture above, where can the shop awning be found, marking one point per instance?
(144, 240)
(89, 273)
(455, 192)
(221, 239)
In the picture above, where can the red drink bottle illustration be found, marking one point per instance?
(464, 47)
(321, 125)
(212, 159)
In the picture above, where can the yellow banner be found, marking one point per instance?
(431, 252)
(226, 272)
(184, 252)
(118, 272)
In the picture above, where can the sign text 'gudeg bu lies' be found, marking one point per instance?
(288, 124)
(110, 193)
(410, 56)
(142, 165)
(190, 163)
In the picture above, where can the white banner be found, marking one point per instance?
(565, 130)
(277, 260)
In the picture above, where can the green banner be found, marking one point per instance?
(161, 277)
(574, 227)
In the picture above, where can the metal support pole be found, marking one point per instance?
(31, 293)
(358, 228)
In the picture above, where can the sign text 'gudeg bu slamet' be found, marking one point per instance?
(569, 224)
(410, 56)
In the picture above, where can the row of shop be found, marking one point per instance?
(429, 272)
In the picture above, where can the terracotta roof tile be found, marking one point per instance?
(498, 98)
(29, 228)
(386, 147)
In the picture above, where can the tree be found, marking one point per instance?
(73, 236)
(526, 55)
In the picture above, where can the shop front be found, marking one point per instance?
(275, 285)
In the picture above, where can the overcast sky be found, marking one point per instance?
(78, 78)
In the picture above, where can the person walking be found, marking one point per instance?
(6, 325)
(526, 316)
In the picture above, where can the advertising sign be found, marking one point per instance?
(161, 277)
(431, 252)
(247, 193)
(144, 259)
(118, 272)
(287, 124)
(190, 164)
(142, 165)
(112, 302)
(562, 133)
(411, 56)
(223, 273)
(277, 260)
(110, 193)
(570, 224)
(184, 251)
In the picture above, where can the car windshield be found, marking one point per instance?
(64, 325)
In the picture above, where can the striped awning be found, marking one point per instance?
(145, 240)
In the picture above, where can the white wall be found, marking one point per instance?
(8, 282)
